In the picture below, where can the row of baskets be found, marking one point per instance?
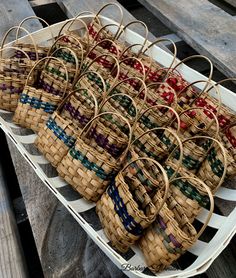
(146, 145)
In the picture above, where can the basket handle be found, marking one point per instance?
(73, 93)
(180, 145)
(48, 59)
(159, 41)
(158, 165)
(132, 23)
(210, 197)
(99, 76)
(142, 90)
(191, 58)
(40, 19)
(71, 21)
(137, 61)
(15, 48)
(166, 107)
(78, 65)
(21, 28)
(96, 38)
(158, 84)
(124, 95)
(123, 155)
(117, 66)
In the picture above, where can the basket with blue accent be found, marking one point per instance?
(36, 104)
(172, 234)
(94, 161)
(59, 133)
(126, 209)
(12, 81)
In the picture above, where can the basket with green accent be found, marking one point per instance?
(126, 209)
(172, 233)
(59, 133)
(95, 159)
(36, 103)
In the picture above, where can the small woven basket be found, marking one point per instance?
(126, 208)
(171, 234)
(89, 167)
(36, 104)
(59, 133)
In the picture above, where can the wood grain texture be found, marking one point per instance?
(12, 262)
(207, 28)
(231, 2)
(12, 12)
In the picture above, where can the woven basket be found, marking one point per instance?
(229, 139)
(89, 167)
(126, 208)
(59, 133)
(11, 81)
(36, 104)
(171, 234)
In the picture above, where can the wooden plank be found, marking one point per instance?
(73, 7)
(231, 2)
(11, 13)
(205, 27)
(12, 262)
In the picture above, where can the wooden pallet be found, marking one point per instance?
(61, 246)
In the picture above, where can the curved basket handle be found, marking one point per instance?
(143, 89)
(71, 21)
(115, 66)
(191, 58)
(158, 84)
(164, 40)
(211, 201)
(96, 38)
(28, 34)
(77, 67)
(129, 47)
(208, 111)
(124, 95)
(48, 59)
(35, 17)
(123, 155)
(166, 107)
(180, 145)
(99, 76)
(101, 42)
(135, 22)
(141, 66)
(73, 93)
(158, 165)
(15, 48)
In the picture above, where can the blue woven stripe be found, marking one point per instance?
(60, 133)
(91, 165)
(37, 103)
(129, 223)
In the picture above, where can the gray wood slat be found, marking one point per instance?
(205, 27)
(12, 262)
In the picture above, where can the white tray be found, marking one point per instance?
(84, 212)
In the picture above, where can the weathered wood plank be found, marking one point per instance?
(231, 2)
(207, 28)
(12, 12)
(12, 262)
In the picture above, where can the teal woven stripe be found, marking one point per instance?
(91, 165)
(187, 189)
(37, 103)
(60, 133)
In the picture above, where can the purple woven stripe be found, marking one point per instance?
(76, 114)
(31, 54)
(13, 90)
(174, 241)
(49, 88)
